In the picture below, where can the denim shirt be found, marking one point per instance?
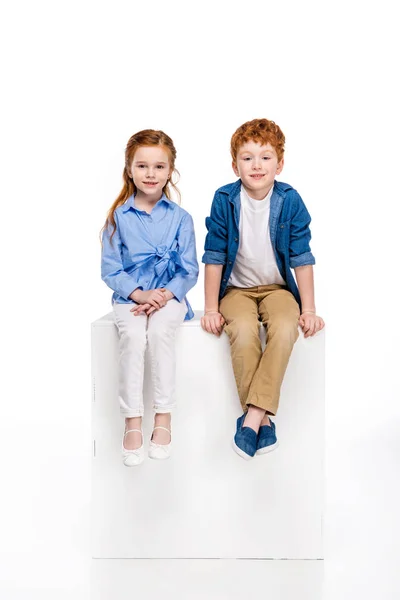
(149, 251)
(289, 230)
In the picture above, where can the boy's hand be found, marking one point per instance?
(212, 322)
(310, 323)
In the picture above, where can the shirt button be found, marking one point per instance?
(236, 239)
(224, 280)
(282, 226)
(230, 262)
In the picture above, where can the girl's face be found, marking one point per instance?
(150, 171)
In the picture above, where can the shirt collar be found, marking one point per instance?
(130, 203)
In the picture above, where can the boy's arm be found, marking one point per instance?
(216, 242)
(212, 282)
(305, 283)
(300, 235)
(309, 320)
(212, 321)
(301, 260)
(215, 252)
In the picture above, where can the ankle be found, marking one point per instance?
(162, 420)
(162, 436)
(133, 423)
(254, 417)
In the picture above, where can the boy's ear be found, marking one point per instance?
(235, 169)
(280, 166)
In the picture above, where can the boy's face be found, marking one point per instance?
(257, 165)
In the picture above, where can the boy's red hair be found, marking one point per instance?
(261, 131)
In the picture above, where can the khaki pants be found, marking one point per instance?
(258, 374)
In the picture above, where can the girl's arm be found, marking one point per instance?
(112, 269)
(183, 281)
(309, 321)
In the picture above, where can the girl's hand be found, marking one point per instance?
(149, 308)
(167, 293)
(155, 298)
(310, 323)
(143, 308)
(212, 322)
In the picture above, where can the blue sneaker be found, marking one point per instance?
(266, 440)
(245, 440)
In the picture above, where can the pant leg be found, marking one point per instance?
(161, 332)
(280, 313)
(239, 309)
(132, 346)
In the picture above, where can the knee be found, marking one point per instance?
(163, 332)
(132, 338)
(243, 332)
(284, 328)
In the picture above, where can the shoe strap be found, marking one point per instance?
(130, 430)
(159, 427)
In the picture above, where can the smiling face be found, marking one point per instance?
(257, 165)
(150, 170)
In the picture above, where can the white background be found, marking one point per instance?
(78, 80)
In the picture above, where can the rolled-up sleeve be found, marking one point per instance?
(186, 277)
(300, 235)
(112, 269)
(216, 242)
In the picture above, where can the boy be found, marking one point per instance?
(257, 231)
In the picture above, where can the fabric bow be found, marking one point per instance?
(168, 260)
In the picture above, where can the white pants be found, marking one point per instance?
(157, 333)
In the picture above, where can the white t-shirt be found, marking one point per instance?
(255, 262)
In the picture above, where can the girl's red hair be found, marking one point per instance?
(147, 137)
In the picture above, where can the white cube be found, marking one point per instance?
(206, 501)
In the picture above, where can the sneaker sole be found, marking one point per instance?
(268, 448)
(240, 452)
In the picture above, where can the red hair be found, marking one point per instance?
(147, 137)
(261, 131)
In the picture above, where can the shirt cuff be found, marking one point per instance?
(176, 289)
(210, 257)
(127, 288)
(303, 259)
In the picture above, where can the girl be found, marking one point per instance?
(149, 260)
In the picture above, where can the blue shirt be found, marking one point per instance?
(149, 251)
(290, 234)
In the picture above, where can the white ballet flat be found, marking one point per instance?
(160, 451)
(132, 458)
